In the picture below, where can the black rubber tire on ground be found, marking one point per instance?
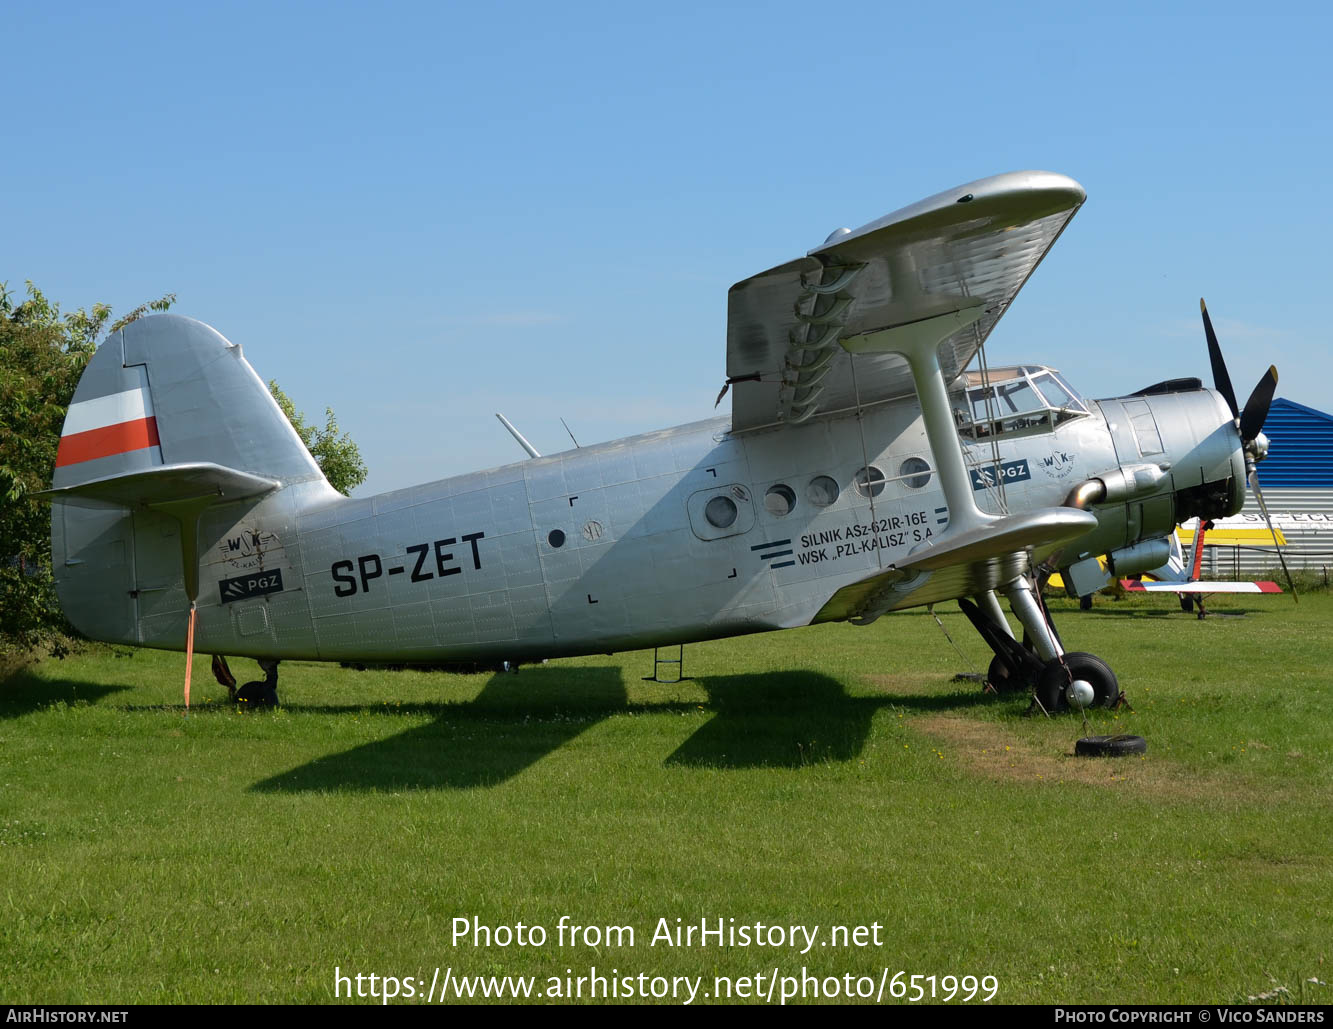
(1110, 746)
(1085, 602)
(1004, 681)
(1058, 673)
(1186, 603)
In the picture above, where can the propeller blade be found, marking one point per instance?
(1221, 379)
(1259, 496)
(1256, 408)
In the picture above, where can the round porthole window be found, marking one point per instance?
(720, 512)
(870, 482)
(822, 491)
(556, 538)
(915, 472)
(779, 500)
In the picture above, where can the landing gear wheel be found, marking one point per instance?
(1186, 603)
(1004, 681)
(1110, 746)
(261, 692)
(1057, 674)
(1085, 602)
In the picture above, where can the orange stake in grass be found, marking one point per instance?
(189, 655)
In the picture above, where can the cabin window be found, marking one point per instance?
(779, 500)
(870, 482)
(914, 472)
(822, 491)
(556, 538)
(720, 512)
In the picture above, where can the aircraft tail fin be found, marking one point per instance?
(169, 437)
(171, 391)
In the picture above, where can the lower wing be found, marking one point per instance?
(961, 564)
(1135, 586)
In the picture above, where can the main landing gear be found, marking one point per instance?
(1059, 680)
(259, 693)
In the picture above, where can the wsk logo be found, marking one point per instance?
(1058, 465)
(247, 543)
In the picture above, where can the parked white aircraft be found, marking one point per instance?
(863, 469)
(1181, 576)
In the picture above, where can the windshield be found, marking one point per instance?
(1026, 400)
(1057, 394)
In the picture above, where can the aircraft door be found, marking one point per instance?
(159, 580)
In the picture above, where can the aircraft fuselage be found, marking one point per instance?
(685, 534)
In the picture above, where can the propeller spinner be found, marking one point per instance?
(1249, 422)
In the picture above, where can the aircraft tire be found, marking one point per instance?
(1110, 746)
(999, 676)
(1077, 665)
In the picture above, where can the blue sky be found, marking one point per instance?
(420, 214)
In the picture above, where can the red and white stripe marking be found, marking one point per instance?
(106, 426)
(1200, 587)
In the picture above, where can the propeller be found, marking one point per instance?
(1250, 422)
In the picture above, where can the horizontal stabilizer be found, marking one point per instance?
(1135, 586)
(168, 483)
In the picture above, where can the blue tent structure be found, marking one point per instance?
(1297, 480)
(1301, 447)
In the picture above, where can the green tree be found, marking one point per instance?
(337, 456)
(42, 354)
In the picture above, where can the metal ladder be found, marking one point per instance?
(659, 661)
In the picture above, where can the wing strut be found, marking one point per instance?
(919, 342)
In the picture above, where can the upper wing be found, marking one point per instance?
(965, 249)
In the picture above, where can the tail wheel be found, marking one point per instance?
(1059, 673)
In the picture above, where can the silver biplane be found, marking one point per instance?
(865, 467)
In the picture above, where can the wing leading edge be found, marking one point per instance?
(963, 253)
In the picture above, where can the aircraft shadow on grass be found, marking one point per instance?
(22, 693)
(773, 720)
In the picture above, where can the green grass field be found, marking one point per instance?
(819, 777)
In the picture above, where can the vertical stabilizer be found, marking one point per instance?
(170, 439)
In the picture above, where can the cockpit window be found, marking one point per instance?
(1005, 399)
(1022, 400)
(1057, 394)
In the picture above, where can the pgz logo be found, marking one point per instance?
(1010, 471)
(257, 584)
